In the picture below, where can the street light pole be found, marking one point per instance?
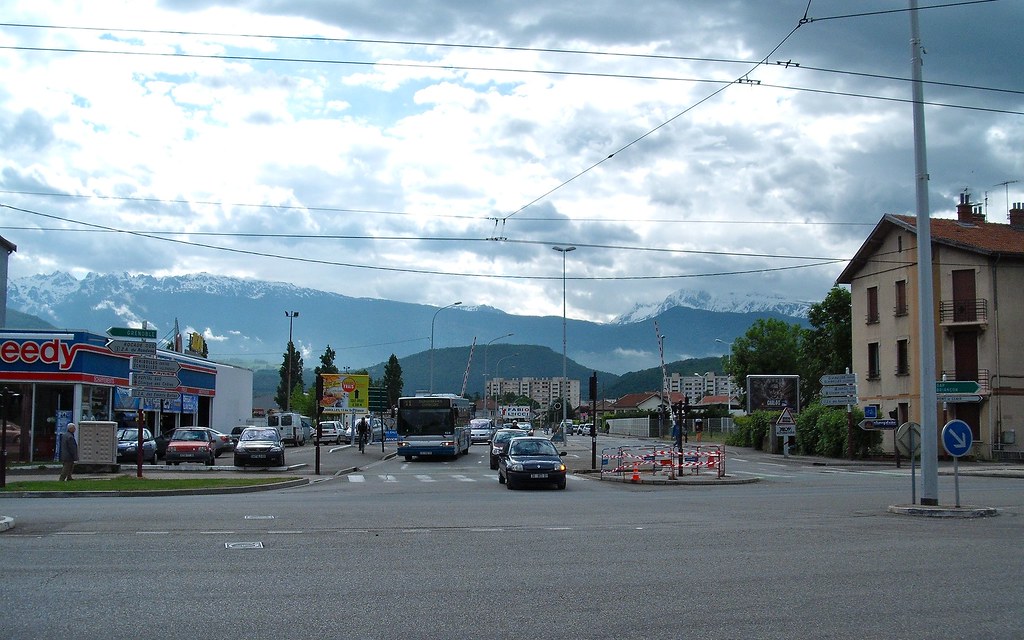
(728, 381)
(565, 378)
(497, 366)
(291, 360)
(454, 304)
(486, 346)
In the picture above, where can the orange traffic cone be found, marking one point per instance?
(636, 474)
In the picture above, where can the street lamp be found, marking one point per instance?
(291, 360)
(454, 304)
(565, 378)
(728, 380)
(485, 356)
(497, 366)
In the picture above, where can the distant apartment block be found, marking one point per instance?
(541, 390)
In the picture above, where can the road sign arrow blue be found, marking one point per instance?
(957, 438)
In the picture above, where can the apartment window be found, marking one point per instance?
(902, 358)
(872, 305)
(901, 297)
(874, 367)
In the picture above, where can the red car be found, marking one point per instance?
(191, 444)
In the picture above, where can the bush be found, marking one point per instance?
(750, 430)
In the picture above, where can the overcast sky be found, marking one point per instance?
(434, 151)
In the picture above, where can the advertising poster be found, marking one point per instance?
(773, 393)
(345, 393)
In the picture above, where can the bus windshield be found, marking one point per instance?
(424, 421)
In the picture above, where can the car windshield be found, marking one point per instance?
(133, 434)
(195, 436)
(259, 434)
(505, 436)
(532, 448)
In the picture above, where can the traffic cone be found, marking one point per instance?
(636, 474)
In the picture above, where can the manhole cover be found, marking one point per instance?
(243, 545)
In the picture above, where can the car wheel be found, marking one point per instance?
(508, 484)
(408, 458)
(238, 463)
(561, 484)
(501, 478)
(494, 465)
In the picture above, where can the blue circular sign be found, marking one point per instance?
(957, 438)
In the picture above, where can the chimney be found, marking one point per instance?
(964, 210)
(1017, 216)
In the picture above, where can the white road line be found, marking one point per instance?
(282, 532)
(423, 478)
(462, 478)
(75, 533)
(152, 533)
(355, 477)
(388, 478)
(214, 533)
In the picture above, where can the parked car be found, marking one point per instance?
(481, 430)
(376, 431)
(331, 431)
(191, 444)
(128, 445)
(499, 443)
(222, 442)
(237, 431)
(531, 460)
(259, 446)
(584, 429)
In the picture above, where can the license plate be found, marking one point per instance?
(258, 455)
(427, 453)
(538, 475)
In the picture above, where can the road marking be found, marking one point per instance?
(75, 533)
(355, 477)
(259, 517)
(494, 529)
(283, 532)
(462, 478)
(152, 533)
(214, 533)
(422, 478)
(387, 477)
(243, 545)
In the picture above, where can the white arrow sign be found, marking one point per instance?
(844, 390)
(152, 380)
(838, 378)
(836, 401)
(132, 347)
(154, 365)
(155, 394)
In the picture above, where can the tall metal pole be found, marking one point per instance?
(291, 360)
(454, 304)
(486, 346)
(497, 379)
(565, 377)
(925, 295)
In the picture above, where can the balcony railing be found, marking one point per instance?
(963, 311)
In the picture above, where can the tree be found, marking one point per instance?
(827, 347)
(769, 347)
(393, 383)
(293, 358)
(326, 362)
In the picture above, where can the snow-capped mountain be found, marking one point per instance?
(244, 321)
(723, 302)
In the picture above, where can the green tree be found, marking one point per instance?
(293, 359)
(826, 347)
(393, 383)
(326, 362)
(769, 346)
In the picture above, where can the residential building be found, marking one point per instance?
(543, 391)
(698, 386)
(978, 274)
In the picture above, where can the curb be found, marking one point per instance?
(943, 512)
(157, 492)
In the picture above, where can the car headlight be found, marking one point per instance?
(561, 467)
(517, 467)
(276, 447)
(496, 451)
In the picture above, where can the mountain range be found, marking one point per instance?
(246, 322)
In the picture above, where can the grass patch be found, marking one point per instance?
(133, 483)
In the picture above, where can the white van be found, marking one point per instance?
(293, 427)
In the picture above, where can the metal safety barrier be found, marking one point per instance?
(671, 462)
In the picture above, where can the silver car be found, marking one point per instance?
(481, 430)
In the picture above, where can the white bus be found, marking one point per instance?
(433, 425)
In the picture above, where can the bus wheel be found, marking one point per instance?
(408, 458)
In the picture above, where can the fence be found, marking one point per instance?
(671, 462)
(651, 427)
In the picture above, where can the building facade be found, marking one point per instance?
(978, 276)
(698, 386)
(543, 391)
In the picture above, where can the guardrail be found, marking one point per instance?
(671, 462)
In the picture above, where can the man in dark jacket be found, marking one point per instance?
(68, 452)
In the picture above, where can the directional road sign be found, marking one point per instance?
(132, 347)
(155, 394)
(154, 365)
(836, 401)
(152, 380)
(957, 398)
(838, 378)
(957, 438)
(885, 424)
(957, 386)
(839, 390)
(128, 332)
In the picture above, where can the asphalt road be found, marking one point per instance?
(438, 549)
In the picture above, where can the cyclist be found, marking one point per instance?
(363, 432)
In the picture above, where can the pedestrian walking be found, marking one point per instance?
(68, 452)
(698, 426)
(362, 430)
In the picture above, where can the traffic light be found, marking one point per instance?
(593, 386)
(319, 397)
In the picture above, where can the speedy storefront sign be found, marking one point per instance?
(69, 357)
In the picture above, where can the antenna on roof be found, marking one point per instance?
(1006, 187)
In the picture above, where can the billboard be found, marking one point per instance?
(345, 393)
(773, 393)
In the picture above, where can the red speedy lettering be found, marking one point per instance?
(49, 352)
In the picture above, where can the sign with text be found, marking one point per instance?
(785, 425)
(773, 393)
(345, 393)
(129, 332)
(154, 365)
(957, 386)
(132, 347)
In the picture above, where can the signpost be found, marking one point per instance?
(152, 380)
(838, 401)
(956, 398)
(129, 332)
(154, 365)
(838, 378)
(840, 389)
(905, 444)
(881, 424)
(957, 439)
(154, 394)
(132, 347)
(956, 387)
(785, 426)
